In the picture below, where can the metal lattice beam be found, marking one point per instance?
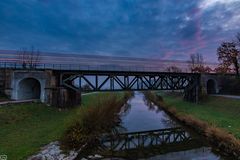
(134, 81)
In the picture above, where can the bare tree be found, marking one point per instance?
(29, 58)
(196, 61)
(174, 69)
(228, 55)
(197, 64)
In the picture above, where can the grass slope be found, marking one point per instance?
(27, 127)
(217, 111)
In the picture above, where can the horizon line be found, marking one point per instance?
(69, 54)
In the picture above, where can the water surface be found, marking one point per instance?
(143, 116)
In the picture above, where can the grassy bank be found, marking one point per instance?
(27, 127)
(217, 111)
(216, 118)
(93, 122)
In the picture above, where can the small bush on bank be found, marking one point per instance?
(94, 121)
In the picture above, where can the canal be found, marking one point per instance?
(141, 115)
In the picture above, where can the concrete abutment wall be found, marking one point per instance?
(213, 83)
(28, 85)
(36, 84)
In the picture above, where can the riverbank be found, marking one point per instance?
(216, 118)
(27, 127)
(94, 122)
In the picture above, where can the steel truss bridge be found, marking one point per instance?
(146, 139)
(132, 81)
(97, 78)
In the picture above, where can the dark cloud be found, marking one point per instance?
(138, 28)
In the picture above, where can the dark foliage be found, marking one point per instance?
(228, 55)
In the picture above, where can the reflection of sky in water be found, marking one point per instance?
(140, 118)
(203, 153)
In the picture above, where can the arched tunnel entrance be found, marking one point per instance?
(211, 87)
(29, 88)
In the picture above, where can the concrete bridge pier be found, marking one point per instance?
(192, 94)
(63, 97)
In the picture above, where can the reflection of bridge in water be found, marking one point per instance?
(162, 139)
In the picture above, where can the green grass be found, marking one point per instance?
(217, 111)
(27, 127)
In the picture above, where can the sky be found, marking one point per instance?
(157, 29)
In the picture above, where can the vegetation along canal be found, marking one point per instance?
(148, 132)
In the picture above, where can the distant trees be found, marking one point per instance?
(174, 69)
(228, 55)
(86, 87)
(202, 69)
(28, 58)
(222, 69)
(196, 60)
(197, 64)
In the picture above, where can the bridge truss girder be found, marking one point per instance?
(132, 81)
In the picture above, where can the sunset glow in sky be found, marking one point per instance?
(165, 29)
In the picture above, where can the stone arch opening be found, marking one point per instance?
(29, 88)
(211, 87)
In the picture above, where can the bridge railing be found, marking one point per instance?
(76, 67)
